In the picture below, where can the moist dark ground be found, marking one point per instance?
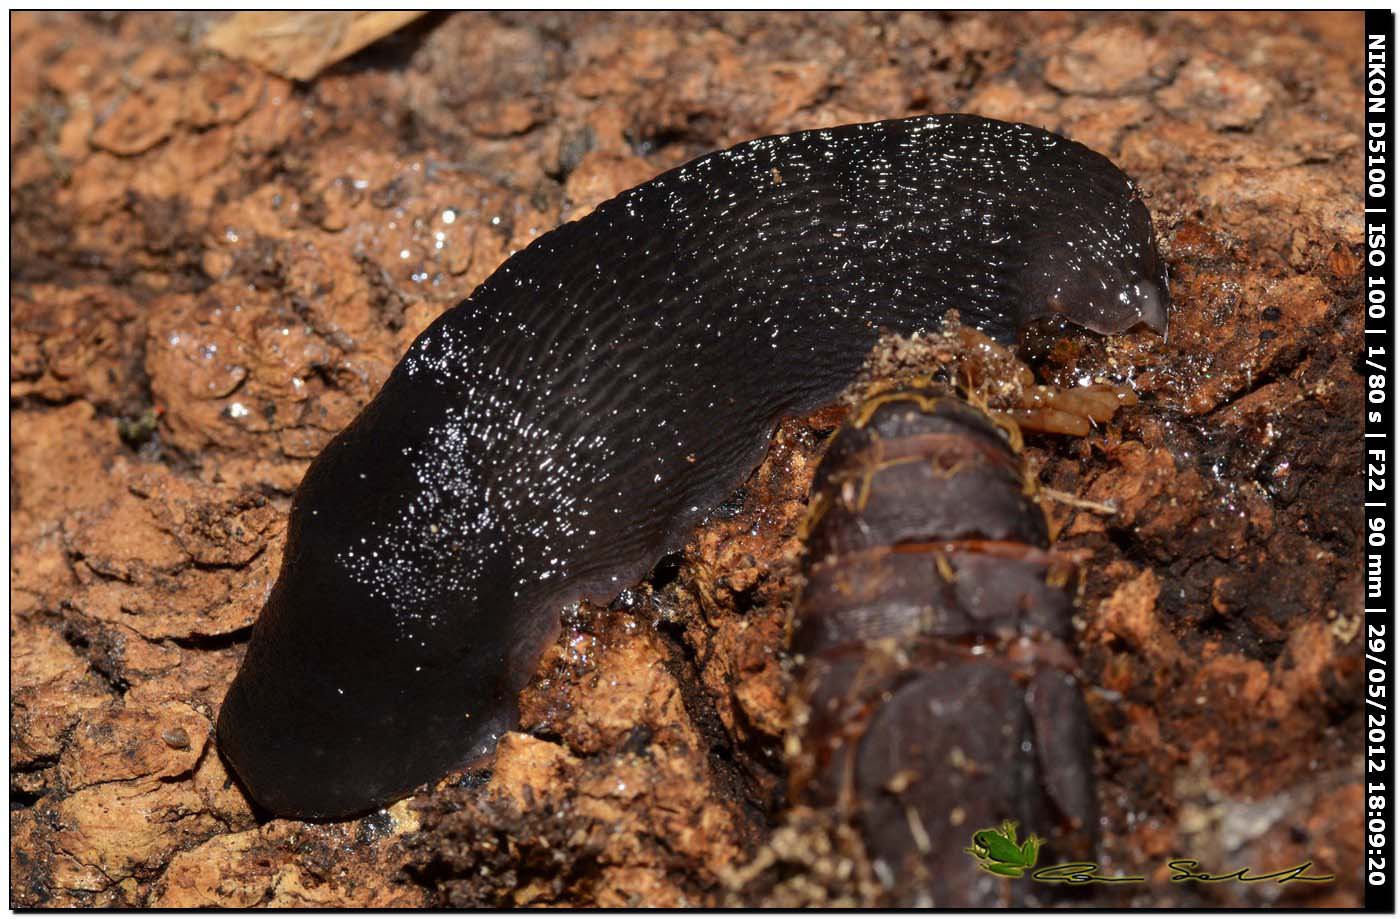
(212, 269)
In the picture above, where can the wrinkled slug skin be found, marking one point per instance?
(553, 435)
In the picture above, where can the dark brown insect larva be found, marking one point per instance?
(933, 628)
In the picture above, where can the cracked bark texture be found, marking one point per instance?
(213, 268)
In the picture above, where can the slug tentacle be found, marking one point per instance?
(552, 436)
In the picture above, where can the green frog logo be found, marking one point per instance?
(997, 851)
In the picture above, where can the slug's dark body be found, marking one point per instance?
(553, 435)
(937, 680)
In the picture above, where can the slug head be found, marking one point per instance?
(1101, 269)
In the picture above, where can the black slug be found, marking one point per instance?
(553, 435)
(936, 695)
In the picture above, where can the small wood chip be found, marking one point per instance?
(299, 45)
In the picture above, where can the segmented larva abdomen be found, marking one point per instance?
(937, 686)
